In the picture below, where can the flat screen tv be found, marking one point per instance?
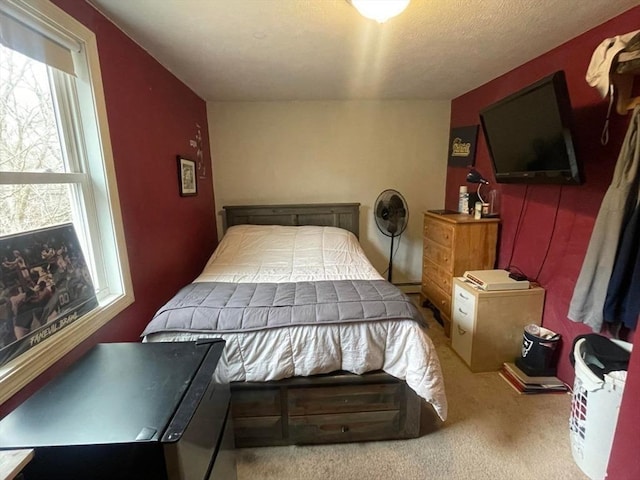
(529, 135)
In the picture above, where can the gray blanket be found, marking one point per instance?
(240, 307)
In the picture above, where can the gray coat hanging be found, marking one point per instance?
(619, 202)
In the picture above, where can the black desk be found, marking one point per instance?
(129, 411)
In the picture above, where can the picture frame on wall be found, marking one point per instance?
(462, 146)
(187, 177)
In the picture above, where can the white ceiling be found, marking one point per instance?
(324, 50)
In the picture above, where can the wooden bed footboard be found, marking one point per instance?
(332, 408)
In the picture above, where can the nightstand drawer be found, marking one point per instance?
(464, 301)
(463, 305)
(462, 339)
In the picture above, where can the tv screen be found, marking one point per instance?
(529, 136)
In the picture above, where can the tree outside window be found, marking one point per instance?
(56, 169)
(29, 142)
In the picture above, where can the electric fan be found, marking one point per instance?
(391, 214)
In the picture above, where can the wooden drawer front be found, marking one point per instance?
(440, 299)
(345, 427)
(359, 398)
(440, 233)
(252, 403)
(257, 431)
(439, 255)
(434, 274)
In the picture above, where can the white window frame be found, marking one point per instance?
(104, 229)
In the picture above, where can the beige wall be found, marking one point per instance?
(335, 151)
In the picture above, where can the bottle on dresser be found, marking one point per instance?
(463, 200)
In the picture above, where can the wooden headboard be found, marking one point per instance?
(343, 215)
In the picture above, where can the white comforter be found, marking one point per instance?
(272, 253)
(250, 253)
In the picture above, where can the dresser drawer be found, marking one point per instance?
(440, 299)
(359, 398)
(433, 273)
(439, 255)
(438, 232)
(346, 427)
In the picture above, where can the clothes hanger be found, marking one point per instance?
(627, 68)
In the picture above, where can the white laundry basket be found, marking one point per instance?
(594, 414)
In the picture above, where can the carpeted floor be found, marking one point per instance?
(492, 433)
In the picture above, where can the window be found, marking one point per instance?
(56, 164)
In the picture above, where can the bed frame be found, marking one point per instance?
(331, 408)
(343, 215)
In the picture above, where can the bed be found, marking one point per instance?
(274, 289)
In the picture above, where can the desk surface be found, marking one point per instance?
(13, 461)
(117, 393)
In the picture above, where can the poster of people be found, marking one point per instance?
(45, 285)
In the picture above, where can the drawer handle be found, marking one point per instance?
(461, 295)
(461, 331)
(344, 429)
(462, 311)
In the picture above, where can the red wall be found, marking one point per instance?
(152, 117)
(578, 205)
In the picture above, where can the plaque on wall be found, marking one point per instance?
(462, 146)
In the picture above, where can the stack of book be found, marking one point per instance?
(523, 383)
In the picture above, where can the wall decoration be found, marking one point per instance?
(45, 286)
(462, 146)
(187, 177)
(197, 144)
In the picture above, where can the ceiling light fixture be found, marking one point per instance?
(379, 10)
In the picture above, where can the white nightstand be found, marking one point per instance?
(487, 326)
